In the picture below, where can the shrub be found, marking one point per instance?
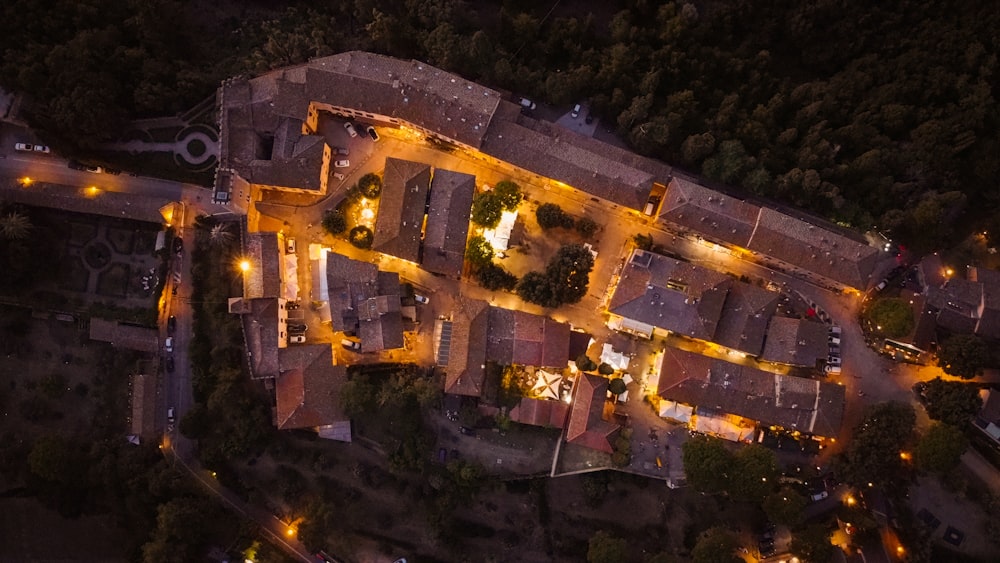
(370, 185)
(550, 216)
(494, 277)
(334, 222)
(487, 209)
(361, 237)
(586, 227)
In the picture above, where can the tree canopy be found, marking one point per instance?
(565, 280)
(785, 506)
(952, 402)
(940, 449)
(550, 216)
(478, 252)
(873, 454)
(813, 543)
(606, 548)
(963, 355)
(716, 545)
(891, 317)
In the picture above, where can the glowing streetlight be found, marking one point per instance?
(851, 501)
(245, 266)
(26, 181)
(290, 531)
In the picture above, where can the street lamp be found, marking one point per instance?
(244, 266)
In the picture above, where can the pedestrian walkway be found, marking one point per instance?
(180, 147)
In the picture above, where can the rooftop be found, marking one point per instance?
(264, 253)
(364, 299)
(448, 222)
(745, 317)
(810, 406)
(796, 342)
(670, 294)
(540, 412)
(465, 371)
(130, 337)
(589, 419)
(307, 390)
(516, 337)
(401, 208)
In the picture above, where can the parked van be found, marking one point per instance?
(350, 344)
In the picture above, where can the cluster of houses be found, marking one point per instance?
(272, 138)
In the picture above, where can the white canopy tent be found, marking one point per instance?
(547, 385)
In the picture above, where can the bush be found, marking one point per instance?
(551, 216)
(479, 252)
(487, 209)
(334, 222)
(584, 363)
(586, 227)
(605, 369)
(494, 277)
(370, 185)
(509, 194)
(361, 237)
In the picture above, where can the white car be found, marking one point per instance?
(833, 370)
(28, 147)
(341, 163)
(297, 339)
(372, 133)
(833, 361)
(350, 129)
(421, 299)
(168, 344)
(576, 111)
(835, 331)
(338, 176)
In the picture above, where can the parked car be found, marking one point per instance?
(341, 151)
(28, 147)
(818, 496)
(576, 111)
(881, 285)
(466, 430)
(170, 364)
(835, 331)
(833, 370)
(170, 414)
(338, 176)
(350, 129)
(372, 133)
(421, 299)
(527, 104)
(834, 350)
(350, 344)
(168, 344)
(290, 246)
(344, 163)
(297, 328)
(171, 325)
(297, 339)
(833, 360)
(834, 340)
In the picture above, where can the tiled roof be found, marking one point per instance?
(796, 342)
(713, 214)
(401, 208)
(584, 163)
(989, 317)
(588, 425)
(143, 339)
(448, 222)
(106, 203)
(745, 316)
(931, 271)
(265, 255)
(262, 327)
(803, 245)
(516, 337)
(308, 389)
(437, 101)
(814, 249)
(142, 400)
(540, 412)
(806, 405)
(670, 294)
(363, 298)
(466, 368)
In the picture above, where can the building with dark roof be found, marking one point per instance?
(590, 421)
(540, 412)
(142, 403)
(964, 306)
(401, 209)
(307, 392)
(796, 342)
(448, 222)
(130, 337)
(745, 316)
(654, 291)
(265, 329)
(366, 301)
(460, 346)
(519, 338)
(988, 417)
(793, 403)
(778, 239)
(264, 278)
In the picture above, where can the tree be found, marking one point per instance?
(584, 363)
(494, 277)
(873, 454)
(220, 235)
(813, 544)
(509, 194)
(15, 226)
(586, 227)
(551, 216)
(616, 385)
(361, 237)
(940, 449)
(716, 545)
(479, 252)
(487, 209)
(963, 355)
(334, 222)
(707, 464)
(605, 369)
(52, 459)
(370, 185)
(568, 273)
(785, 506)
(755, 473)
(534, 287)
(606, 548)
(182, 526)
(358, 396)
(952, 402)
(891, 317)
